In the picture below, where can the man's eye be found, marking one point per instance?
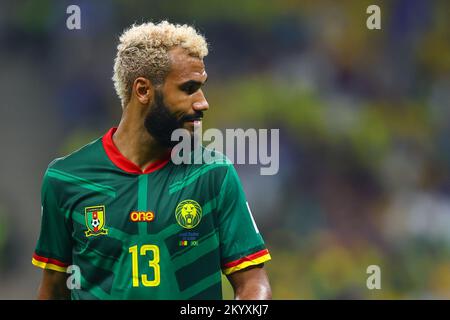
(191, 89)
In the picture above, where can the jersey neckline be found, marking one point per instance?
(123, 163)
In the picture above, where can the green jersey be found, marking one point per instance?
(163, 233)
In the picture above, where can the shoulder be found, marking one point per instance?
(82, 157)
(65, 176)
(74, 167)
(219, 167)
(205, 167)
(214, 157)
(213, 162)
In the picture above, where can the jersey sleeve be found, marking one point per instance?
(54, 247)
(241, 244)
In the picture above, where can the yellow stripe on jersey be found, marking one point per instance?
(246, 264)
(46, 265)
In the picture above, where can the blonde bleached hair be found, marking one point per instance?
(143, 52)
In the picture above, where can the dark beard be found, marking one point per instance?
(160, 122)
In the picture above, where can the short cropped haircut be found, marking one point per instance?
(143, 52)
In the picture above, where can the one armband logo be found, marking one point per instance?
(142, 216)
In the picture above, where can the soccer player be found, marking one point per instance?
(135, 224)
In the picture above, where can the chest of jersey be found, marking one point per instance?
(142, 205)
(146, 225)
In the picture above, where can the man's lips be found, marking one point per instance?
(197, 116)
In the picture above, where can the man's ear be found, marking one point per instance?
(143, 90)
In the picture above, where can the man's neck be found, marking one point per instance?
(135, 143)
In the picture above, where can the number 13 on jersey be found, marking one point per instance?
(153, 263)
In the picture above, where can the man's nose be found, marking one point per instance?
(201, 104)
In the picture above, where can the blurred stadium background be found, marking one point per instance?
(364, 119)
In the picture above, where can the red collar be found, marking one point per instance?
(123, 163)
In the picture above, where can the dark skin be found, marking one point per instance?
(183, 94)
(251, 283)
(53, 286)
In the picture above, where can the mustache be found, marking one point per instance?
(190, 117)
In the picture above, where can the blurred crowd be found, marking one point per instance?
(364, 119)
